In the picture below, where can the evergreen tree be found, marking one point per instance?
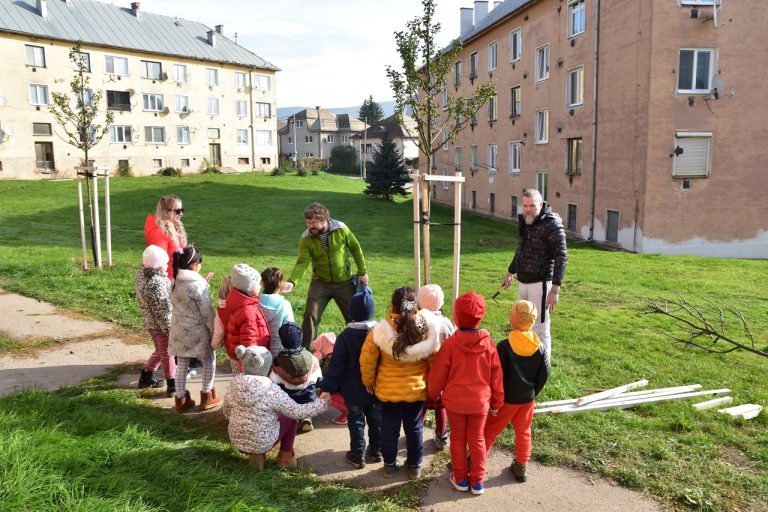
(370, 111)
(344, 160)
(387, 175)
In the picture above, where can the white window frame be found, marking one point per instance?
(241, 108)
(493, 55)
(473, 157)
(263, 110)
(515, 155)
(445, 182)
(542, 63)
(151, 69)
(542, 126)
(445, 99)
(344, 139)
(112, 61)
(182, 135)
(696, 52)
(240, 80)
(515, 101)
(213, 133)
(690, 142)
(212, 106)
(473, 62)
(574, 164)
(330, 139)
(180, 74)
(153, 131)
(458, 156)
(120, 134)
(704, 3)
(542, 184)
(34, 56)
(241, 136)
(308, 139)
(261, 82)
(457, 73)
(574, 85)
(445, 139)
(493, 108)
(85, 59)
(182, 104)
(577, 17)
(152, 102)
(516, 45)
(493, 157)
(35, 93)
(211, 76)
(263, 137)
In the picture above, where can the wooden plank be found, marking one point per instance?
(437, 177)
(611, 392)
(744, 412)
(624, 404)
(631, 394)
(709, 404)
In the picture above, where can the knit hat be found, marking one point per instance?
(154, 257)
(256, 360)
(324, 344)
(361, 307)
(430, 297)
(294, 359)
(244, 277)
(522, 315)
(468, 311)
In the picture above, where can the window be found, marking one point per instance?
(473, 158)
(243, 160)
(493, 152)
(180, 73)
(212, 76)
(344, 139)
(457, 158)
(457, 73)
(242, 137)
(87, 96)
(88, 133)
(445, 183)
(542, 126)
(576, 17)
(307, 139)
(570, 222)
(185, 162)
(263, 137)
(182, 104)
(152, 70)
(493, 55)
(492, 202)
(157, 162)
(38, 94)
(214, 133)
(154, 134)
(34, 55)
(119, 134)
(692, 155)
(515, 45)
(153, 102)
(695, 70)
(515, 101)
(261, 82)
(44, 155)
(239, 80)
(298, 124)
(213, 106)
(612, 226)
(492, 110)
(330, 139)
(241, 108)
(182, 134)
(116, 65)
(266, 160)
(82, 59)
(514, 156)
(290, 140)
(575, 151)
(473, 204)
(263, 110)
(118, 100)
(123, 164)
(445, 139)
(473, 66)
(41, 129)
(542, 63)
(700, 2)
(513, 206)
(575, 87)
(445, 99)
(542, 180)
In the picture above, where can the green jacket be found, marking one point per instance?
(330, 266)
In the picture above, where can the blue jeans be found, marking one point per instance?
(409, 415)
(358, 415)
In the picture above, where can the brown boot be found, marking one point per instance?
(286, 460)
(257, 461)
(520, 471)
(209, 400)
(184, 403)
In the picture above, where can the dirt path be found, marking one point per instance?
(90, 348)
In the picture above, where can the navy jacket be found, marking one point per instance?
(344, 371)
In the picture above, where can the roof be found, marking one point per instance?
(100, 24)
(329, 122)
(494, 16)
(390, 125)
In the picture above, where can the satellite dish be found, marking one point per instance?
(3, 101)
(197, 126)
(8, 129)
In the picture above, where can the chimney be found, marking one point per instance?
(42, 8)
(135, 8)
(212, 38)
(220, 29)
(496, 4)
(481, 11)
(465, 20)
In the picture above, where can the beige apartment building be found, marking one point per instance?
(180, 91)
(642, 122)
(314, 132)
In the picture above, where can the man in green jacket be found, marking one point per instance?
(327, 244)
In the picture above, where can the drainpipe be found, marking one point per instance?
(594, 122)
(250, 112)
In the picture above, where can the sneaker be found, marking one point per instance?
(478, 488)
(373, 457)
(148, 380)
(390, 470)
(462, 486)
(440, 442)
(340, 421)
(355, 460)
(191, 373)
(305, 425)
(520, 471)
(414, 472)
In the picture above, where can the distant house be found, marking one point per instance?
(404, 136)
(314, 132)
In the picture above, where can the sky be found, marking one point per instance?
(331, 53)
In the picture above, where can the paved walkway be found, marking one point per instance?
(89, 348)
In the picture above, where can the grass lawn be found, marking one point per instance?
(687, 459)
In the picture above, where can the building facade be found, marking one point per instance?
(181, 93)
(403, 134)
(638, 121)
(314, 132)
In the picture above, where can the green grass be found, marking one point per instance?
(602, 338)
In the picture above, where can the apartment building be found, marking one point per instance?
(181, 93)
(403, 134)
(640, 122)
(314, 132)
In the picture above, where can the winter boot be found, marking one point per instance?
(184, 403)
(209, 400)
(520, 471)
(170, 389)
(147, 380)
(257, 461)
(286, 460)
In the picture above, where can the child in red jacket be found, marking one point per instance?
(243, 320)
(468, 374)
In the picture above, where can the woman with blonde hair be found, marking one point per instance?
(164, 228)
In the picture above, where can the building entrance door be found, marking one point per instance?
(44, 156)
(215, 154)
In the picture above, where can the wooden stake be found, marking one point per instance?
(709, 404)
(744, 412)
(415, 192)
(107, 216)
(82, 219)
(624, 404)
(456, 235)
(631, 394)
(611, 392)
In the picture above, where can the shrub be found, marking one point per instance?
(344, 160)
(208, 167)
(124, 171)
(278, 171)
(173, 172)
(301, 171)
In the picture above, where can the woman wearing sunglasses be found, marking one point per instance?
(164, 228)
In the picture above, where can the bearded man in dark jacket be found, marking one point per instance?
(539, 262)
